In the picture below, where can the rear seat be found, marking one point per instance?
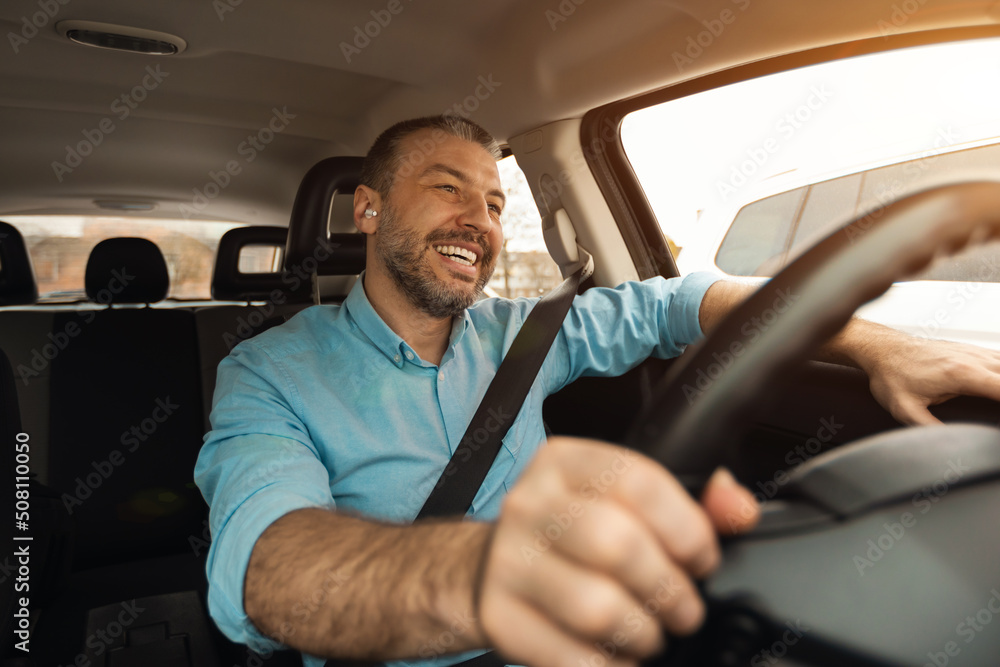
(126, 393)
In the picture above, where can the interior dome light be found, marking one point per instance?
(121, 38)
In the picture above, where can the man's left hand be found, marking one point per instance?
(909, 374)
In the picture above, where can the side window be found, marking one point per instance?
(524, 267)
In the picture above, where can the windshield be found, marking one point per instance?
(745, 177)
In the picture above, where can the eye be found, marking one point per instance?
(496, 209)
(448, 188)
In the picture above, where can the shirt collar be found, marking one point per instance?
(383, 337)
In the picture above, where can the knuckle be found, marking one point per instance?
(615, 546)
(698, 550)
(598, 611)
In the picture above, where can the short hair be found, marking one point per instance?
(384, 159)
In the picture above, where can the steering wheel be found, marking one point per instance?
(818, 581)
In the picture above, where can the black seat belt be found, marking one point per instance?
(460, 481)
(472, 460)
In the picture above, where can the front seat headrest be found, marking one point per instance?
(126, 270)
(231, 284)
(311, 247)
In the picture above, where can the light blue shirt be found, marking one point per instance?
(335, 410)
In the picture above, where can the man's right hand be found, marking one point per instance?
(595, 553)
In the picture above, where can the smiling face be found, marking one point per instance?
(438, 232)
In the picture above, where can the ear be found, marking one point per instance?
(365, 198)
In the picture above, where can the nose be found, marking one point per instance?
(476, 217)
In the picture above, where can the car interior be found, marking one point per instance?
(258, 114)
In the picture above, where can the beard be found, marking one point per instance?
(403, 252)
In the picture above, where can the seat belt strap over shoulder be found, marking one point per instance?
(460, 481)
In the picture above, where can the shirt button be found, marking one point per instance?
(396, 359)
(441, 376)
(409, 355)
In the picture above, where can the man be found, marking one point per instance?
(329, 433)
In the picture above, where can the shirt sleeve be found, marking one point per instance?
(610, 331)
(257, 464)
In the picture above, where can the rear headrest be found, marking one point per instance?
(126, 270)
(17, 280)
(311, 247)
(231, 284)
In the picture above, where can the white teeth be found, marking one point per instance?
(460, 255)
